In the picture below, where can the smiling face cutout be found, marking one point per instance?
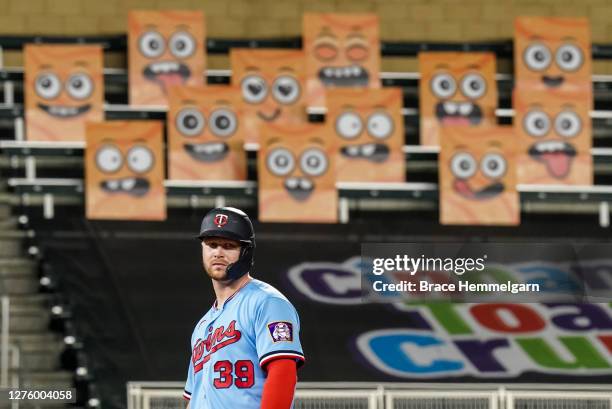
(296, 175)
(124, 169)
(272, 86)
(342, 50)
(552, 54)
(555, 137)
(165, 48)
(478, 176)
(205, 134)
(455, 89)
(64, 88)
(367, 128)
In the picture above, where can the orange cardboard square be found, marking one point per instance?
(206, 133)
(366, 128)
(165, 48)
(477, 172)
(555, 138)
(272, 83)
(455, 89)
(296, 175)
(552, 54)
(63, 89)
(124, 171)
(342, 50)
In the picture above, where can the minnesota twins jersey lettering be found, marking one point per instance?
(232, 344)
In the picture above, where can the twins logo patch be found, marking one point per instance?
(281, 331)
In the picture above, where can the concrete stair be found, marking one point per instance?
(30, 315)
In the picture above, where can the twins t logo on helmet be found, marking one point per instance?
(221, 220)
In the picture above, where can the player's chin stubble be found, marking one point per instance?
(218, 275)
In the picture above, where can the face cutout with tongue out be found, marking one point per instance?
(555, 137)
(124, 171)
(296, 175)
(455, 89)
(166, 48)
(206, 133)
(552, 54)
(342, 50)
(64, 88)
(272, 85)
(367, 130)
(477, 174)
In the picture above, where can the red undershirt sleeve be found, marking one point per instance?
(279, 386)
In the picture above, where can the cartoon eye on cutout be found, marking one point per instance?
(280, 162)
(357, 52)
(349, 125)
(109, 159)
(473, 86)
(380, 125)
(223, 122)
(569, 57)
(151, 44)
(254, 89)
(190, 122)
(48, 86)
(286, 89)
(568, 124)
(326, 51)
(463, 165)
(79, 86)
(536, 123)
(537, 57)
(443, 85)
(493, 165)
(313, 162)
(182, 44)
(140, 159)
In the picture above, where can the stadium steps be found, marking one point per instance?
(9, 223)
(46, 379)
(30, 315)
(10, 247)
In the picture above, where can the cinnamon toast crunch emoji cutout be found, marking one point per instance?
(555, 138)
(552, 54)
(165, 48)
(296, 175)
(477, 171)
(342, 50)
(367, 130)
(205, 133)
(124, 171)
(272, 83)
(456, 88)
(64, 88)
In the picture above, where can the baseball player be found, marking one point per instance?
(246, 349)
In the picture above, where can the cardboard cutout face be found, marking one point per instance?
(64, 88)
(552, 54)
(478, 176)
(205, 134)
(165, 48)
(124, 169)
(555, 138)
(272, 85)
(296, 175)
(342, 50)
(368, 134)
(455, 89)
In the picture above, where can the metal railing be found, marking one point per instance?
(360, 395)
(10, 355)
(4, 342)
